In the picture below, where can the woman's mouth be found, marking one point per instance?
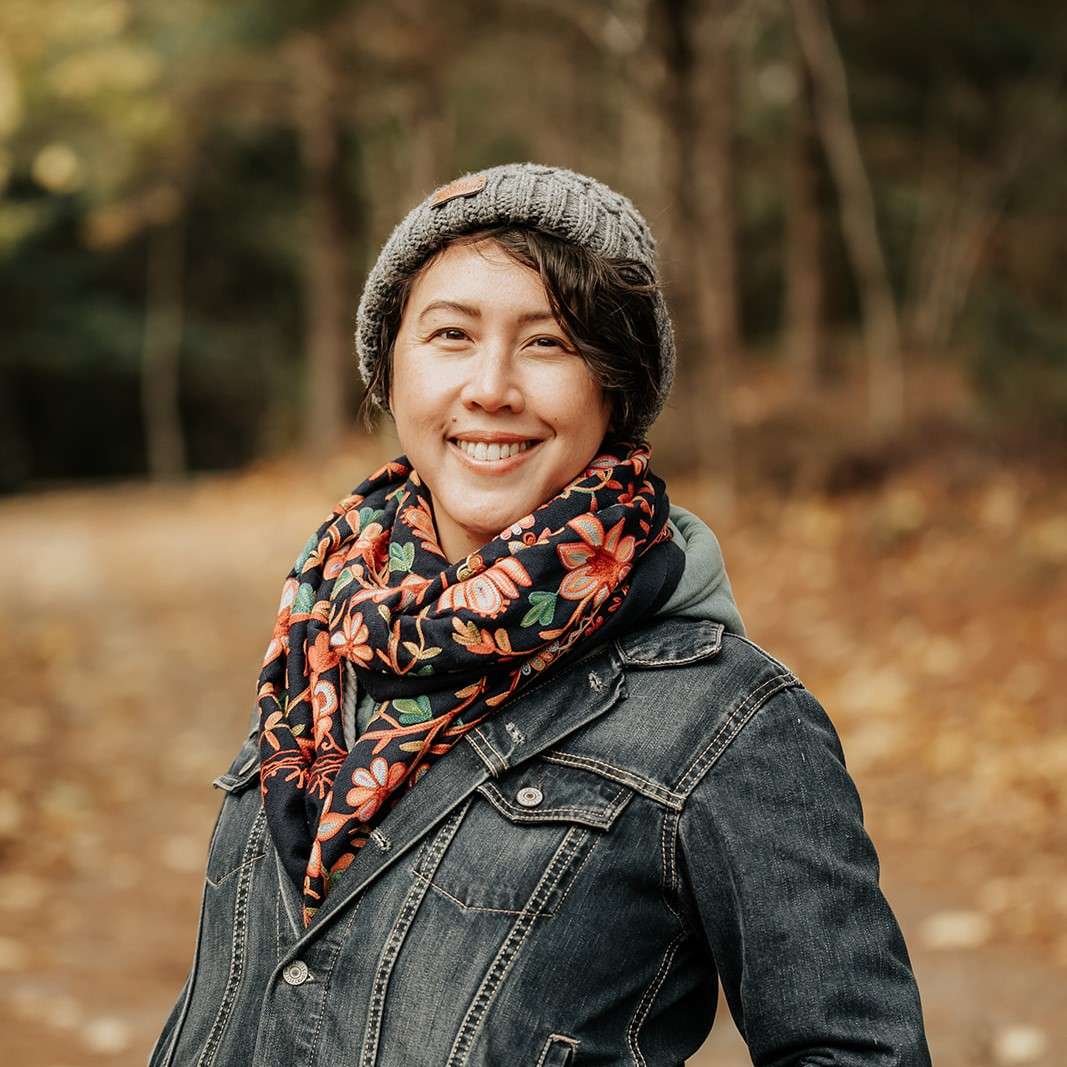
(500, 456)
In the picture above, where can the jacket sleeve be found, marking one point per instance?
(784, 879)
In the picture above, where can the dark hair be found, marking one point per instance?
(606, 307)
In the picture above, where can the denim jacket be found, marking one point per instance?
(566, 886)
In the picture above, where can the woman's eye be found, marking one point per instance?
(448, 331)
(552, 342)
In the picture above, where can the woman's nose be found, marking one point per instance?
(491, 382)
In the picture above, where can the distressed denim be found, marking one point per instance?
(568, 884)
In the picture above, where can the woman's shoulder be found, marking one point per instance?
(689, 688)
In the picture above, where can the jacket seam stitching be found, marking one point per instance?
(731, 727)
(670, 866)
(327, 981)
(246, 861)
(574, 877)
(703, 652)
(462, 903)
(278, 922)
(762, 651)
(645, 1004)
(172, 1044)
(237, 948)
(512, 944)
(603, 821)
(556, 1039)
(394, 942)
(495, 761)
(699, 653)
(645, 786)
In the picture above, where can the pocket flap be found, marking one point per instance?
(540, 792)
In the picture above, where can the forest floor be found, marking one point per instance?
(922, 600)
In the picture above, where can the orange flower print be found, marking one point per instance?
(351, 516)
(273, 649)
(597, 564)
(321, 655)
(373, 785)
(420, 518)
(324, 704)
(489, 593)
(334, 565)
(274, 720)
(279, 639)
(330, 825)
(372, 546)
(350, 641)
(317, 555)
(411, 590)
(288, 594)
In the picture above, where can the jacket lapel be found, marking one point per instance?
(533, 722)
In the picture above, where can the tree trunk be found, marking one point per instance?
(962, 214)
(803, 254)
(719, 300)
(698, 242)
(164, 314)
(329, 356)
(858, 223)
(431, 129)
(431, 135)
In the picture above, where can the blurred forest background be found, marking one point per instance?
(860, 209)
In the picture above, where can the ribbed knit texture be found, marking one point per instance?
(559, 201)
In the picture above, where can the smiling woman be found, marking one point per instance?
(526, 789)
(496, 408)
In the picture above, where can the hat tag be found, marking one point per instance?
(468, 186)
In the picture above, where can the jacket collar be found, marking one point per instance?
(580, 693)
(590, 686)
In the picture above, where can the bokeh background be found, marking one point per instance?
(860, 214)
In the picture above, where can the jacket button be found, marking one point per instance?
(296, 973)
(529, 796)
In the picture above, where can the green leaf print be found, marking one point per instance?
(542, 608)
(306, 551)
(368, 515)
(401, 557)
(305, 598)
(412, 711)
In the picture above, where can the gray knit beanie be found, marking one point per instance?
(559, 201)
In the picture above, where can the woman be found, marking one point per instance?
(525, 788)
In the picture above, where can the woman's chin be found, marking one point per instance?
(484, 527)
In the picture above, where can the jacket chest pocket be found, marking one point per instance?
(524, 839)
(237, 840)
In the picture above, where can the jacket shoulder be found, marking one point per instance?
(690, 687)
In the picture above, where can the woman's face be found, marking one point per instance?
(481, 370)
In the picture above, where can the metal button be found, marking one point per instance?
(529, 796)
(296, 973)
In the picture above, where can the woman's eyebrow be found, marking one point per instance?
(475, 313)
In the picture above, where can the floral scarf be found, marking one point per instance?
(438, 646)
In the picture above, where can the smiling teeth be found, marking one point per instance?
(479, 450)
